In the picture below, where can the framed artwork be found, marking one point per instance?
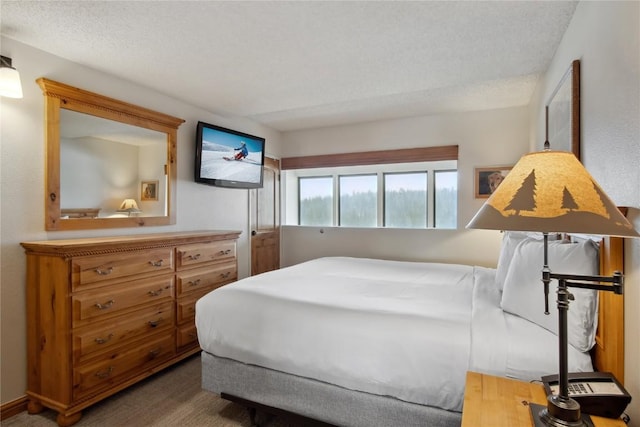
(487, 180)
(149, 191)
(562, 113)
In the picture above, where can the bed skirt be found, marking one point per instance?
(315, 399)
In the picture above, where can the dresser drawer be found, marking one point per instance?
(95, 338)
(118, 366)
(111, 300)
(187, 336)
(94, 269)
(206, 278)
(201, 253)
(186, 307)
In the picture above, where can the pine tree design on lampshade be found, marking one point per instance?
(524, 199)
(568, 202)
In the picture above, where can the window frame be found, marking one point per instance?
(291, 179)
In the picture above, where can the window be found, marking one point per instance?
(358, 200)
(405, 199)
(408, 195)
(316, 200)
(446, 199)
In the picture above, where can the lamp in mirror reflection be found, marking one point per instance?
(129, 206)
(551, 191)
(10, 85)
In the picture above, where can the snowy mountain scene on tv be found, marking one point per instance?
(231, 157)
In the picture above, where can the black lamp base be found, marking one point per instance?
(542, 418)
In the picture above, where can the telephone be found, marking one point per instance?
(598, 393)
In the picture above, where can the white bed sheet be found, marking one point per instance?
(391, 328)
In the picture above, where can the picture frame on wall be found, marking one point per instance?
(149, 191)
(487, 180)
(562, 113)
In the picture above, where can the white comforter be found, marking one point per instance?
(400, 329)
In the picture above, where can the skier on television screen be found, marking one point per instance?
(242, 152)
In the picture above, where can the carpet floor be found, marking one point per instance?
(173, 397)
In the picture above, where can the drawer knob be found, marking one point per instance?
(104, 272)
(194, 282)
(106, 373)
(156, 263)
(154, 323)
(225, 252)
(155, 293)
(155, 353)
(194, 257)
(100, 340)
(106, 305)
(225, 275)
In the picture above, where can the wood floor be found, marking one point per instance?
(172, 398)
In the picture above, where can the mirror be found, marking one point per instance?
(109, 163)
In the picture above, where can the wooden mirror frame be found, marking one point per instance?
(59, 95)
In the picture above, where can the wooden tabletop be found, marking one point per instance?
(504, 402)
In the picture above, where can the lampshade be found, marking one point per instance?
(551, 191)
(130, 206)
(10, 85)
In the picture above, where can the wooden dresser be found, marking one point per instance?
(104, 313)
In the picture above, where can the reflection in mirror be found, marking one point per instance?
(102, 151)
(103, 162)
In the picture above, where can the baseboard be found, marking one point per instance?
(9, 409)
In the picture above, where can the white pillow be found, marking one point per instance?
(523, 289)
(510, 240)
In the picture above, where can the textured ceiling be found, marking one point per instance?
(295, 65)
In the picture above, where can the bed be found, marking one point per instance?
(364, 342)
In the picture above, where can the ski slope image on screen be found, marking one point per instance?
(229, 158)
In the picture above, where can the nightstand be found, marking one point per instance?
(503, 402)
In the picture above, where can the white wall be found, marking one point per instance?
(605, 37)
(487, 138)
(22, 185)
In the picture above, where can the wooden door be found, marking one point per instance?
(265, 220)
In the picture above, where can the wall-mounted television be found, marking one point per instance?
(228, 158)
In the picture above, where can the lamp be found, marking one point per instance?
(10, 85)
(130, 206)
(551, 191)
